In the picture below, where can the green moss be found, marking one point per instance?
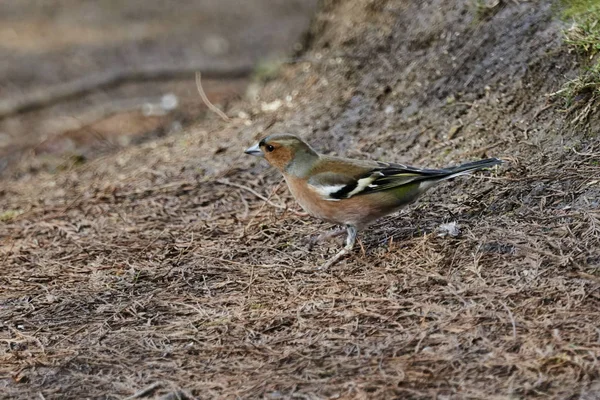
(484, 9)
(267, 69)
(8, 215)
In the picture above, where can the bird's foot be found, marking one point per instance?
(350, 240)
(334, 259)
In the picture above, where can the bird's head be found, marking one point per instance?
(284, 151)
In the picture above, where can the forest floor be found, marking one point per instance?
(178, 268)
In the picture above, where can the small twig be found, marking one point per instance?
(254, 192)
(587, 276)
(484, 149)
(512, 319)
(30, 338)
(177, 395)
(210, 105)
(246, 207)
(181, 252)
(143, 251)
(112, 78)
(585, 154)
(251, 280)
(541, 110)
(146, 391)
(206, 285)
(12, 246)
(263, 198)
(553, 94)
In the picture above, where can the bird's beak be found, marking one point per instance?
(254, 151)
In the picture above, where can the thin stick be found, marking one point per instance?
(263, 198)
(145, 392)
(210, 105)
(89, 83)
(512, 319)
(254, 192)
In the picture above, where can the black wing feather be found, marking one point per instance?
(390, 175)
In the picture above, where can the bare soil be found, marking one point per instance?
(180, 266)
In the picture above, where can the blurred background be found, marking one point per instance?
(82, 77)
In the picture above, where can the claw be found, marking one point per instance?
(350, 240)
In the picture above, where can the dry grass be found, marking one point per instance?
(178, 268)
(581, 93)
(209, 289)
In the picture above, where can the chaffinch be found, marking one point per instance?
(347, 192)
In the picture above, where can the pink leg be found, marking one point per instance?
(350, 240)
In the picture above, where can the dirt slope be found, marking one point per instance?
(164, 263)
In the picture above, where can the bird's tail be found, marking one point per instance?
(467, 168)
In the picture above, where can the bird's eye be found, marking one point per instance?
(269, 148)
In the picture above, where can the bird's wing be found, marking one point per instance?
(352, 180)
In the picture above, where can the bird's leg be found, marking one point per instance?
(350, 240)
(325, 236)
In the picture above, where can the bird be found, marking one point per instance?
(349, 192)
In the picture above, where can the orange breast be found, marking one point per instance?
(358, 211)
